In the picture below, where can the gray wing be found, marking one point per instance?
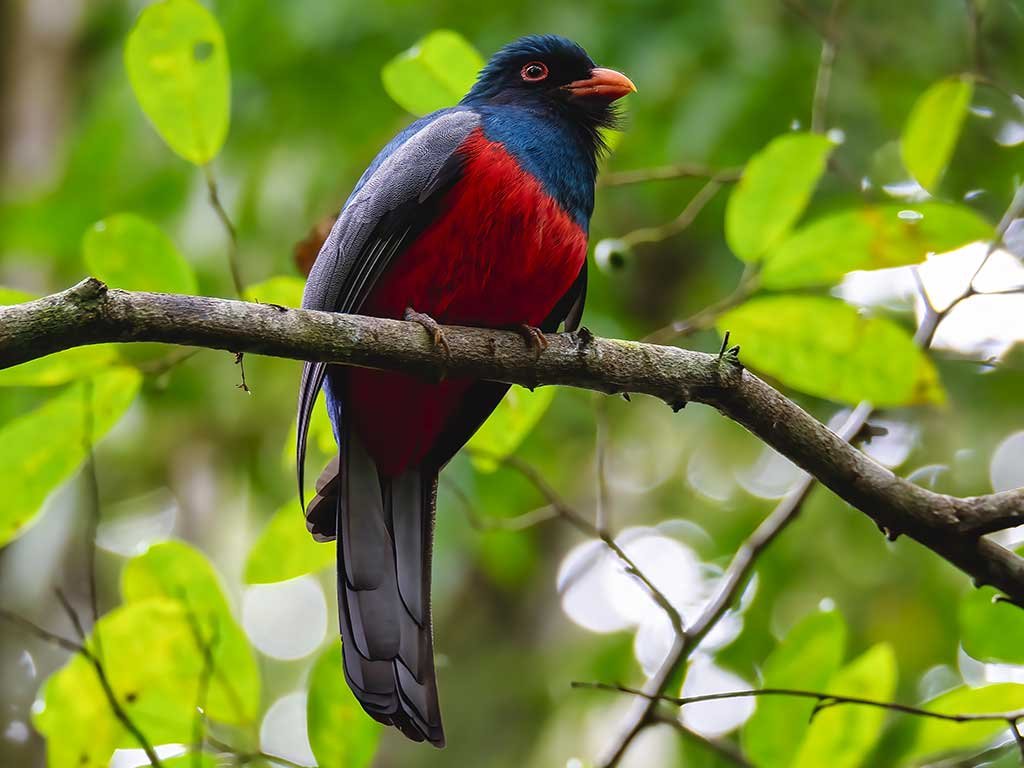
(394, 201)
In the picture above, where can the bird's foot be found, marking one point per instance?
(433, 328)
(533, 336)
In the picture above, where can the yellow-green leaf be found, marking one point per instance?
(43, 448)
(990, 630)
(176, 570)
(341, 734)
(807, 659)
(508, 426)
(435, 73)
(869, 237)
(127, 251)
(933, 128)
(285, 549)
(826, 348)
(154, 671)
(842, 736)
(10, 296)
(935, 737)
(773, 192)
(283, 290)
(177, 63)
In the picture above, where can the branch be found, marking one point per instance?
(827, 701)
(89, 313)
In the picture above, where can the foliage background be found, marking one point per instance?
(195, 458)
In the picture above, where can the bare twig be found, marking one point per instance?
(667, 172)
(823, 82)
(602, 512)
(229, 229)
(745, 288)
(825, 701)
(43, 634)
(685, 218)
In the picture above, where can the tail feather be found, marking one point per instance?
(384, 560)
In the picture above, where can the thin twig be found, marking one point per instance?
(229, 228)
(582, 524)
(43, 634)
(97, 665)
(602, 511)
(685, 218)
(974, 47)
(825, 701)
(823, 81)
(746, 287)
(668, 172)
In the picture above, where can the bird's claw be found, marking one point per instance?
(534, 337)
(433, 328)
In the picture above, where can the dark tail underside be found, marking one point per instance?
(384, 551)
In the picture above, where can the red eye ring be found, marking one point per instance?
(534, 72)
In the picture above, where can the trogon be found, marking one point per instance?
(474, 215)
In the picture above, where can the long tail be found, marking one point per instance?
(384, 554)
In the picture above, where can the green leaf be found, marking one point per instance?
(285, 549)
(435, 73)
(508, 426)
(842, 736)
(932, 737)
(127, 251)
(869, 237)
(341, 734)
(773, 192)
(826, 348)
(176, 570)
(991, 631)
(177, 63)
(283, 290)
(58, 368)
(43, 448)
(807, 659)
(10, 296)
(154, 675)
(933, 127)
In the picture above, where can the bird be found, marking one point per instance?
(474, 215)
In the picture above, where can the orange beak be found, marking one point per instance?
(602, 83)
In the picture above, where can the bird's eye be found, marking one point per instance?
(534, 72)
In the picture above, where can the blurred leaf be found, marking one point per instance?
(825, 348)
(176, 570)
(933, 737)
(933, 127)
(991, 631)
(10, 296)
(869, 237)
(60, 367)
(177, 63)
(43, 448)
(285, 549)
(341, 734)
(772, 193)
(155, 678)
(130, 252)
(842, 736)
(189, 761)
(508, 426)
(435, 73)
(806, 659)
(283, 290)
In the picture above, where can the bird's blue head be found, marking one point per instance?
(554, 74)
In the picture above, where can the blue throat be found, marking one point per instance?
(549, 149)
